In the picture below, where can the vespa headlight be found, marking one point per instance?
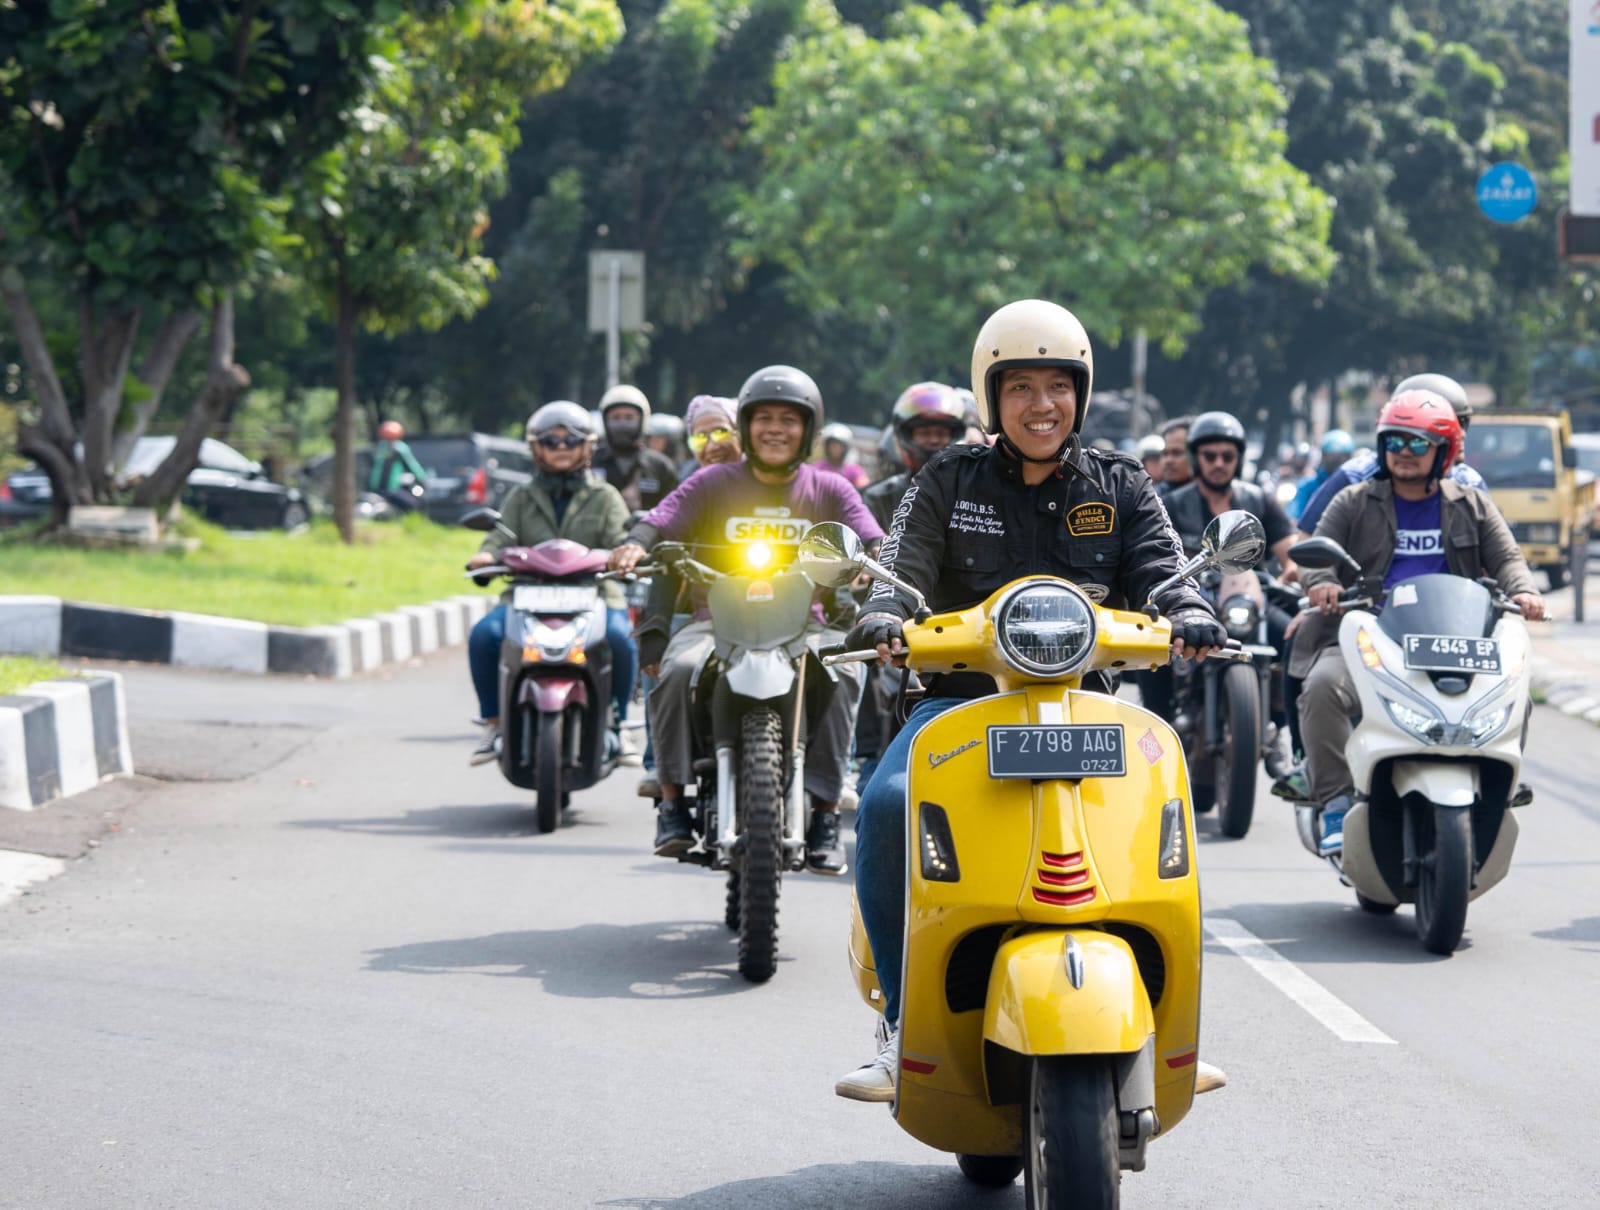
(1424, 726)
(1046, 628)
(1240, 616)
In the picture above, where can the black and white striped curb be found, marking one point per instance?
(59, 738)
(1572, 691)
(32, 625)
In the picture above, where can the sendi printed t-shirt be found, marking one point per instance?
(1419, 544)
(720, 509)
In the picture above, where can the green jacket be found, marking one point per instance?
(596, 516)
(390, 460)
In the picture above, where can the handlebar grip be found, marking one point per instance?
(862, 656)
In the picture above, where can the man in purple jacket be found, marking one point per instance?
(773, 495)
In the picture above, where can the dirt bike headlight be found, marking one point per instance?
(1045, 627)
(1240, 617)
(757, 556)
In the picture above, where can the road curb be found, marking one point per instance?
(1571, 693)
(31, 625)
(62, 737)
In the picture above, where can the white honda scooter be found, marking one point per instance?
(1442, 673)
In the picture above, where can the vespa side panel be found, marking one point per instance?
(1115, 824)
(943, 1097)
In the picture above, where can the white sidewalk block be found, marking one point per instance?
(76, 760)
(366, 643)
(424, 627)
(202, 641)
(30, 625)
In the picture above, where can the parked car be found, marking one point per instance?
(465, 471)
(226, 488)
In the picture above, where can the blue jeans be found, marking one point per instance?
(483, 657)
(881, 852)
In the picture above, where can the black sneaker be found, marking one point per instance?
(674, 835)
(824, 849)
(488, 748)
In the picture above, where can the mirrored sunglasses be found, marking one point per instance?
(1396, 443)
(551, 442)
(699, 441)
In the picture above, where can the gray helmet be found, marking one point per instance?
(1447, 388)
(560, 414)
(1209, 427)
(663, 425)
(781, 384)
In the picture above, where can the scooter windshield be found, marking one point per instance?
(1437, 604)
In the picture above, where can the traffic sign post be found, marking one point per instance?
(616, 301)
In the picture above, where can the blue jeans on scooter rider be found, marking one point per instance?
(975, 518)
(562, 501)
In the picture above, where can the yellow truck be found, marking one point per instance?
(1528, 460)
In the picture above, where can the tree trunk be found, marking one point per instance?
(344, 376)
(171, 339)
(105, 346)
(49, 443)
(224, 381)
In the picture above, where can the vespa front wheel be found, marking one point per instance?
(1071, 1136)
(1444, 881)
(1236, 763)
(547, 782)
(761, 866)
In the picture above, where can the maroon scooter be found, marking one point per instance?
(555, 668)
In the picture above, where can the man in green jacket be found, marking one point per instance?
(563, 501)
(392, 460)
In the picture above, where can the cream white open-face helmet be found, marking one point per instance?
(1031, 332)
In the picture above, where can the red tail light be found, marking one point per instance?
(478, 487)
(5, 490)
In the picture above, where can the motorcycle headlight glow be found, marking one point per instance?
(757, 556)
(554, 641)
(1423, 726)
(1490, 724)
(1239, 616)
(1046, 628)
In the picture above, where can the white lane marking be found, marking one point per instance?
(1346, 1024)
(19, 871)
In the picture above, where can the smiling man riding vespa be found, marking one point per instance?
(975, 518)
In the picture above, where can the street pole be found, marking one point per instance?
(614, 326)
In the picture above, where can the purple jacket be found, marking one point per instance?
(720, 509)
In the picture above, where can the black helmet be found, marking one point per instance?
(1210, 427)
(1447, 388)
(781, 384)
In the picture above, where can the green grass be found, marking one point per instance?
(304, 579)
(19, 670)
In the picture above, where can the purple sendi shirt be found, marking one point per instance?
(720, 509)
(1419, 544)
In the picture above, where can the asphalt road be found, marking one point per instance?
(321, 962)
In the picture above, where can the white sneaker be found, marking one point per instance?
(488, 748)
(1208, 1078)
(876, 1080)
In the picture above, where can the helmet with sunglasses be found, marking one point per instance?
(1421, 414)
(925, 403)
(785, 385)
(1211, 427)
(561, 414)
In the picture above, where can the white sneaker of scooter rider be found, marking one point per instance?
(875, 1081)
(1332, 822)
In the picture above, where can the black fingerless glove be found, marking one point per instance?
(872, 629)
(1198, 628)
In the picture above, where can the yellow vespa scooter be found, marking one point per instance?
(1051, 1002)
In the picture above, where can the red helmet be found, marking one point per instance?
(1424, 414)
(925, 403)
(391, 430)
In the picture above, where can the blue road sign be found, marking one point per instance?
(1507, 193)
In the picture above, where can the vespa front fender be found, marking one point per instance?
(760, 675)
(1033, 1007)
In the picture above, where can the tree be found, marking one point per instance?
(394, 216)
(1128, 179)
(142, 145)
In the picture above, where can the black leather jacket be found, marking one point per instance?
(969, 525)
(1191, 513)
